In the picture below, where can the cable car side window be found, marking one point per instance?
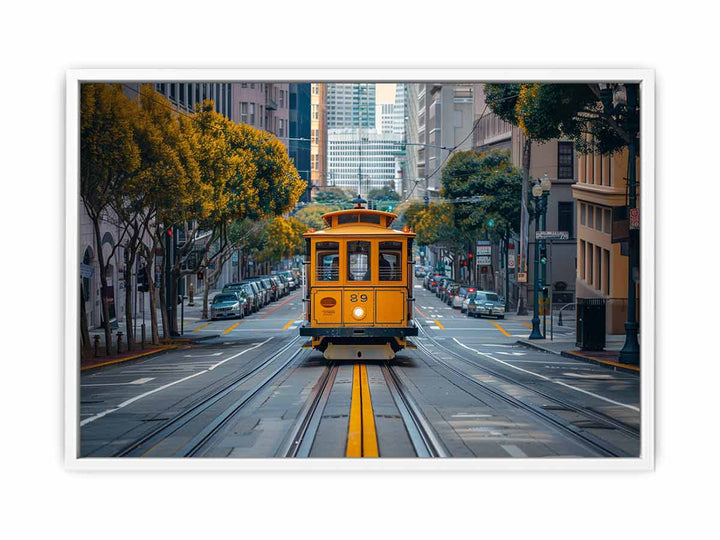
(327, 260)
(358, 253)
(390, 261)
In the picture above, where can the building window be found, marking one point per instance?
(581, 259)
(606, 272)
(243, 112)
(590, 215)
(565, 217)
(607, 221)
(598, 219)
(251, 114)
(565, 161)
(590, 249)
(598, 266)
(314, 136)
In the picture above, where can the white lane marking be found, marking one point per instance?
(510, 353)
(435, 327)
(471, 415)
(418, 286)
(496, 345)
(603, 398)
(513, 450)
(134, 399)
(590, 376)
(255, 346)
(136, 381)
(201, 355)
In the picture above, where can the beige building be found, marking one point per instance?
(602, 268)
(318, 135)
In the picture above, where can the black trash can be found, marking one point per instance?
(590, 324)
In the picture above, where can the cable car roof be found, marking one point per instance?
(328, 217)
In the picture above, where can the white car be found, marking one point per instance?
(459, 299)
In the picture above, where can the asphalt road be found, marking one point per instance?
(467, 390)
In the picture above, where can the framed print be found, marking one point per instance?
(384, 269)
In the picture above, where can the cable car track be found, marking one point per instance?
(588, 439)
(145, 444)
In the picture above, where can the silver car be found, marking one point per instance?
(485, 303)
(228, 305)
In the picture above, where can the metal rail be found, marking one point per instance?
(423, 438)
(588, 439)
(299, 441)
(146, 442)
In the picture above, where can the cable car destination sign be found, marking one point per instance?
(552, 235)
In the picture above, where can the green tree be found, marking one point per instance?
(311, 214)
(109, 157)
(334, 196)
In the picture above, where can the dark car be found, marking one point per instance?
(485, 303)
(420, 271)
(261, 291)
(431, 281)
(442, 284)
(228, 305)
(253, 297)
(267, 285)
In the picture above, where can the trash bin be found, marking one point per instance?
(590, 324)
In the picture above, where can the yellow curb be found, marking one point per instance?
(133, 357)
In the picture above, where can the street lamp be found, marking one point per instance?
(545, 184)
(537, 193)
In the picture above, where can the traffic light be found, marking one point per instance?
(543, 255)
(483, 269)
(142, 280)
(470, 255)
(390, 208)
(200, 275)
(491, 223)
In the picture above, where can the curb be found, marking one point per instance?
(625, 368)
(576, 355)
(132, 357)
(190, 340)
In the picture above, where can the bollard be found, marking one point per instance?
(96, 339)
(119, 342)
(142, 336)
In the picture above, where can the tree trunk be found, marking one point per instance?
(163, 304)
(129, 263)
(523, 287)
(206, 291)
(103, 285)
(84, 331)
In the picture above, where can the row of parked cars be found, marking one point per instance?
(466, 298)
(242, 298)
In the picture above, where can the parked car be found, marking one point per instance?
(420, 271)
(460, 297)
(228, 305)
(485, 303)
(290, 279)
(442, 285)
(271, 288)
(451, 292)
(261, 291)
(431, 281)
(245, 289)
(286, 282)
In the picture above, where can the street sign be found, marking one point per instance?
(552, 235)
(483, 248)
(522, 277)
(484, 260)
(511, 259)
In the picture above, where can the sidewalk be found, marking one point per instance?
(191, 320)
(563, 344)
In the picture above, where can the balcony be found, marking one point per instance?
(271, 105)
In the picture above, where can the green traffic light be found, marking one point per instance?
(491, 223)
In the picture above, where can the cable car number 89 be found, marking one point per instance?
(354, 297)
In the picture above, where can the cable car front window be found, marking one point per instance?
(327, 255)
(358, 261)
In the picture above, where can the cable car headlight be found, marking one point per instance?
(358, 313)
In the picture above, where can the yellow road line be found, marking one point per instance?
(527, 324)
(440, 326)
(201, 326)
(500, 328)
(227, 331)
(370, 445)
(288, 324)
(608, 362)
(354, 441)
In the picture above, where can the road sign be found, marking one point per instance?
(511, 259)
(634, 218)
(483, 248)
(522, 277)
(484, 260)
(552, 235)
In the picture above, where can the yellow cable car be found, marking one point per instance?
(358, 275)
